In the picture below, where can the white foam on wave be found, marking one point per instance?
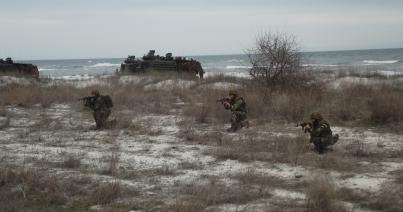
(73, 77)
(238, 67)
(318, 65)
(380, 61)
(234, 61)
(47, 69)
(105, 65)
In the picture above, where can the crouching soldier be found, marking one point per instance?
(321, 134)
(237, 106)
(101, 106)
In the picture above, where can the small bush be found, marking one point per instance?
(105, 193)
(321, 196)
(71, 162)
(386, 107)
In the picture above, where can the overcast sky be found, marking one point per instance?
(50, 29)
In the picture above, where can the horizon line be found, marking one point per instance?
(205, 55)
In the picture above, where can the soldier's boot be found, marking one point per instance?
(245, 124)
(234, 127)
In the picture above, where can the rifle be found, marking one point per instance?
(225, 102)
(306, 126)
(222, 100)
(88, 101)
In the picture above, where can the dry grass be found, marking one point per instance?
(389, 198)
(29, 187)
(321, 196)
(71, 162)
(355, 104)
(253, 148)
(105, 193)
(198, 196)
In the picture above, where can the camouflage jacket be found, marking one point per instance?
(99, 104)
(238, 105)
(320, 129)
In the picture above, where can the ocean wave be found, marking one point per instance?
(105, 65)
(380, 61)
(319, 65)
(238, 67)
(47, 69)
(73, 77)
(234, 61)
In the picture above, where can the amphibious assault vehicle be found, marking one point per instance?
(161, 63)
(9, 68)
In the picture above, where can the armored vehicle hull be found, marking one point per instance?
(10, 68)
(158, 63)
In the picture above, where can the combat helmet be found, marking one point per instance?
(316, 116)
(95, 92)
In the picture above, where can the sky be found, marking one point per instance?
(67, 29)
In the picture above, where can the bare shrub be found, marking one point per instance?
(321, 196)
(276, 61)
(112, 167)
(389, 198)
(349, 103)
(197, 196)
(351, 195)
(399, 178)
(358, 149)
(252, 177)
(113, 164)
(189, 165)
(164, 171)
(71, 162)
(333, 162)
(35, 94)
(203, 107)
(29, 185)
(252, 148)
(105, 193)
(386, 106)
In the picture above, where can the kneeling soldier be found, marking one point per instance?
(321, 134)
(237, 105)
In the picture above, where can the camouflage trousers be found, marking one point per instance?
(238, 120)
(322, 142)
(100, 117)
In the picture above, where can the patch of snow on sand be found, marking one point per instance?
(170, 84)
(134, 79)
(8, 80)
(363, 182)
(221, 85)
(288, 194)
(368, 137)
(81, 82)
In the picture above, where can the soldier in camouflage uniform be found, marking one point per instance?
(237, 105)
(100, 108)
(321, 134)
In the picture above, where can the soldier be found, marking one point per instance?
(237, 105)
(321, 134)
(101, 105)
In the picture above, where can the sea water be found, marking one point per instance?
(387, 61)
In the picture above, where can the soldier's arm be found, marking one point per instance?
(236, 105)
(323, 128)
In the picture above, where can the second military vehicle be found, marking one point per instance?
(161, 63)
